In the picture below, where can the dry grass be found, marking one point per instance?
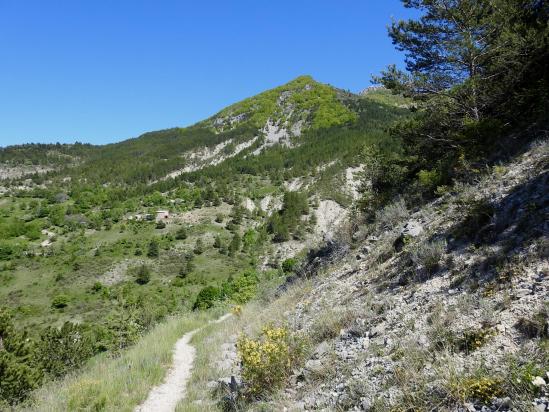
(118, 384)
(330, 322)
(208, 344)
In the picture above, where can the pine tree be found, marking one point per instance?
(199, 246)
(153, 251)
(143, 275)
(217, 242)
(475, 69)
(234, 246)
(181, 233)
(183, 270)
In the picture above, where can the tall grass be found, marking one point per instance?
(263, 310)
(121, 383)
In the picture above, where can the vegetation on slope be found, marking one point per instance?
(301, 99)
(478, 80)
(81, 253)
(470, 70)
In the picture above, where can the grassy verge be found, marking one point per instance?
(208, 342)
(119, 384)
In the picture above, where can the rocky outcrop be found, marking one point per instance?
(445, 308)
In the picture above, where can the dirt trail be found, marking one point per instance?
(166, 396)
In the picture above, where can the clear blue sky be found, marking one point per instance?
(102, 71)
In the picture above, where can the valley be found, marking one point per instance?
(305, 248)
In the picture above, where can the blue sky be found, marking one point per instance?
(102, 71)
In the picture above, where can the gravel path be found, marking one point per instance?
(165, 397)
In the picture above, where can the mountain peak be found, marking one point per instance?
(302, 101)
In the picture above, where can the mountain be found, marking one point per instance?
(280, 212)
(83, 242)
(288, 116)
(304, 249)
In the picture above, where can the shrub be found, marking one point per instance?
(143, 275)
(183, 271)
(428, 255)
(217, 242)
(241, 288)
(160, 224)
(289, 265)
(535, 327)
(329, 323)
(250, 239)
(16, 379)
(18, 376)
(286, 221)
(65, 349)
(8, 251)
(181, 233)
(122, 329)
(207, 297)
(521, 377)
(482, 389)
(153, 249)
(478, 214)
(199, 247)
(236, 310)
(428, 179)
(384, 172)
(235, 245)
(97, 287)
(268, 361)
(471, 340)
(60, 301)
(392, 214)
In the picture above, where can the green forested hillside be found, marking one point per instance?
(364, 207)
(80, 244)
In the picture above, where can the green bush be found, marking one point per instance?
(207, 297)
(10, 250)
(19, 373)
(60, 301)
(536, 326)
(199, 246)
(473, 339)
(428, 180)
(217, 242)
(181, 233)
(428, 255)
(183, 271)
(143, 275)
(64, 349)
(478, 213)
(289, 265)
(242, 288)
(482, 388)
(267, 362)
(235, 245)
(285, 223)
(153, 251)
(16, 378)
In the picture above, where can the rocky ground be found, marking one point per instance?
(444, 308)
(17, 171)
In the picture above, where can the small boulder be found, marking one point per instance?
(412, 229)
(322, 349)
(538, 381)
(313, 365)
